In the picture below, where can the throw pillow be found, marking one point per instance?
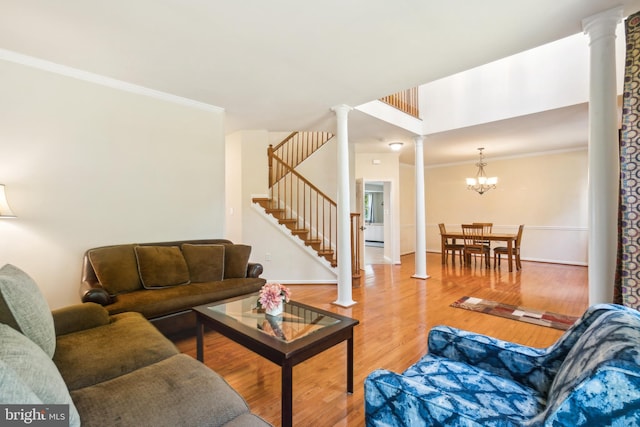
(116, 268)
(206, 262)
(23, 307)
(35, 371)
(236, 260)
(161, 266)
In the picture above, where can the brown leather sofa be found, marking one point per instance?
(164, 280)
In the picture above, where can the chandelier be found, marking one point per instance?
(481, 183)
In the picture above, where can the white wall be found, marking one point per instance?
(87, 165)
(407, 209)
(547, 193)
(551, 76)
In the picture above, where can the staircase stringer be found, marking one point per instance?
(288, 232)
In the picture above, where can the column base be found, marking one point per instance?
(344, 303)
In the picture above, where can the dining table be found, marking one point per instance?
(509, 238)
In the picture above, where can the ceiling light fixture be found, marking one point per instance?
(481, 183)
(395, 146)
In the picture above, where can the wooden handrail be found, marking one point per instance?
(298, 146)
(284, 141)
(290, 170)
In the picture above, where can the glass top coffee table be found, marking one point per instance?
(292, 337)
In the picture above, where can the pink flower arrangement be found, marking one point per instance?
(272, 294)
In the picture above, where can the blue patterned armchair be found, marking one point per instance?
(589, 377)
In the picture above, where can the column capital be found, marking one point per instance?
(602, 24)
(342, 108)
(418, 139)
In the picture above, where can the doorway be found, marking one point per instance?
(376, 221)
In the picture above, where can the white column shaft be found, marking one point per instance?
(344, 215)
(421, 246)
(604, 164)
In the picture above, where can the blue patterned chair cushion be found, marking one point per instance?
(590, 376)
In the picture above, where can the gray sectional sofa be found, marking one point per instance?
(109, 370)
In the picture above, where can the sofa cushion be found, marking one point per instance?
(206, 262)
(99, 354)
(161, 266)
(35, 371)
(164, 301)
(236, 259)
(483, 393)
(116, 268)
(14, 391)
(23, 307)
(199, 395)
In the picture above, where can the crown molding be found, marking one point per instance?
(98, 79)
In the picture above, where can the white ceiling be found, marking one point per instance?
(281, 65)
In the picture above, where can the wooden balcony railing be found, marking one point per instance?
(406, 101)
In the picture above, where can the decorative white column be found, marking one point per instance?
(344, 213)
(421, 246)
(604, 163)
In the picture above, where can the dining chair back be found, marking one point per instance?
(474, 243)
(449, 246)
(487, 228)
(504, 250)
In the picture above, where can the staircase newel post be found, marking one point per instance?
(270, 159)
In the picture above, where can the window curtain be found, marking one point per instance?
(627, 286)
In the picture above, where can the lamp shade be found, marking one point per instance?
(5, 210)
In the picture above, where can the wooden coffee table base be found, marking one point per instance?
(284, 354)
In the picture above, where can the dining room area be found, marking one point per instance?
(552, 206)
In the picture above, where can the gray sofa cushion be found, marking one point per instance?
(23, 307)
(141, 398)
(35, 371)
(14, 390)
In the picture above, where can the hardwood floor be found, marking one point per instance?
(395, 313)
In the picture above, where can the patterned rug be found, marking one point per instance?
(543, 318)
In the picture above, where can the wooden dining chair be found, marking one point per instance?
(504, 250)
(487, 228)
(449, 246)
(473, 243)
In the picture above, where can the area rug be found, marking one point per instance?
(542, 318)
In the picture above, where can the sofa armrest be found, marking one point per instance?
(79, 317)
(533, 367)
(254, 269)
(98, 296)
